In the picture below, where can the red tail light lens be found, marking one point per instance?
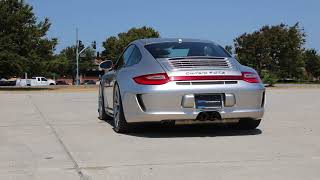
(250, 77)
(152, 79)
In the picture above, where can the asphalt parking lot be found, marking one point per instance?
(56, 135)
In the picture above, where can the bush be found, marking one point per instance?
(269, 78)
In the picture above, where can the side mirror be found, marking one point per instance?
(106, 65)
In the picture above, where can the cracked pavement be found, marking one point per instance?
(57, 135)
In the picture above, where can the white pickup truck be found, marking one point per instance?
(37, 81)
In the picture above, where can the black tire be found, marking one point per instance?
(101, 108)
(247, 124)
(51, 84)
(120, 123)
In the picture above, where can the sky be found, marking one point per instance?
(220, 21)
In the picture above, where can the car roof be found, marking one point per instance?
(162, 40)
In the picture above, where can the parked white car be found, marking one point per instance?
(37, 81)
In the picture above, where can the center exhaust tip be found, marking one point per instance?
(208, 116)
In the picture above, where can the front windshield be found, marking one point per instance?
(185, 49)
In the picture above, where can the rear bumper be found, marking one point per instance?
(160, 103)
(163, 116)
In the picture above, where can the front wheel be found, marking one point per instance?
(248, 124)
(120, 123)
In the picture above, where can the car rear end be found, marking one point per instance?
(196, 89)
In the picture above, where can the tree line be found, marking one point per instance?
(276, 52)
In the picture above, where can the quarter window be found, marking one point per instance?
(135, 57)
(125, 57)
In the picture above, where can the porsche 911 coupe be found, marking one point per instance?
(179, 81)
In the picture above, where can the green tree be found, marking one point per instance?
(23, 43)
(60, 66)
(312, 61)
(115, 45)
(277, 49)
(228, 48)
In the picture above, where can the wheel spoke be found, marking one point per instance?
(100, 106)
(120, 124)
(116, 107)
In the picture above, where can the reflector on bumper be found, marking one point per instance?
(230, 100)
(188, 101)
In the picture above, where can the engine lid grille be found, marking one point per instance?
(218, 63)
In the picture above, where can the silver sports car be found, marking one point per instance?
(179, 81)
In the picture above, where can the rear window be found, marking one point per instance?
(185, 49)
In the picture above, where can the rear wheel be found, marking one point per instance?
(248, 124)
(101, 108)
(120, 123)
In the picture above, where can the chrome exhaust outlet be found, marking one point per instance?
(215, 116)
(203, 116)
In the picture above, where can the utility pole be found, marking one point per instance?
(77, 57)
(79, 49)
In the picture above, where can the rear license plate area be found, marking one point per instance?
(208, 101)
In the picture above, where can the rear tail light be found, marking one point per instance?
(163, 78)
(152, 79)
(250, 77)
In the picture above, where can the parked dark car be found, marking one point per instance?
(89, 82)
(7, 83)
(61, 82)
